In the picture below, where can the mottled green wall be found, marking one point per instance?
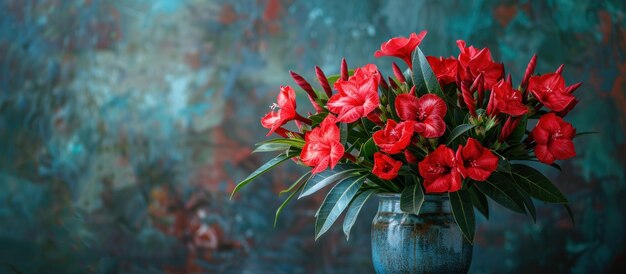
(124, 125)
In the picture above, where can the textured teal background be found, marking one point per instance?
(124, 125)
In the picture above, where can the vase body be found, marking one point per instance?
(430, 242)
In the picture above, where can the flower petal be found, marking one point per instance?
(432, 127)
(562, 149)
(543, 154)
(433, 105)
(406, 106)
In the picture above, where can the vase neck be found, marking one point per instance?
(433, 203)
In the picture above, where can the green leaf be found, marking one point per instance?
(423, 76)
(528, 203)
(289, 198)
(343, 133)
(504, 166)
(333, 78)
(586, 133)
(297, 143)
(391, 97)
(368, 149)
(354, 209)
(297, 182)
(264, 168)
(318, 118)
(518, 133)
(461, 204)
(271, 147)
(479, 200)
(501, 189)
(412, 198)
(336, 202)
(537, 185)
(388, 186)
(328, 177)
(570, 213)
(458, 131)
(556, 166)
(357, 143)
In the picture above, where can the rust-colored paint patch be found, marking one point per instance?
(504, 14)
(228, 14)
(605, 25)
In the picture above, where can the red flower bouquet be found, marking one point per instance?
(452, 126)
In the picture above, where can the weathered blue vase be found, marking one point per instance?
(430, 242)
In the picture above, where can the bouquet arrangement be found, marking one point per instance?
(453, 126)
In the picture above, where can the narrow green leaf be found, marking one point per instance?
(586, 133)
(463, 212)
(336, 202)
(518, 133)
(479, 200)
(528, 203)
(458, 131)
(318, 118)
(504, 166)
(556, 166)
(354, 209)
(412, 198)
(327, 177)
(343, 133)
(264, 168)
(297, 143)
(424, 78)
(537, 185)
(368, 149)
(303, 178)
(384, 184)
(570, 213)
(271, 147)
(333, 78)
(501, 189)
(357, 143)
(280, 208)
(391, 96)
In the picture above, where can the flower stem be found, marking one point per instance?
(303, 119)
(349, 157)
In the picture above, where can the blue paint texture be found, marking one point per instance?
(125, 124)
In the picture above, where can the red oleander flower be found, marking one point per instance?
(466, 53)
(554, 139)
(549, 89)
(357, 97)
(479, 62)
(283, 111)
(445, 69)
(504, 99)
(428, 112)
(322, 146)
(401, 47)
(394, 138)
(439, 170)
(475, 161)
(385, 167)
(364, 73)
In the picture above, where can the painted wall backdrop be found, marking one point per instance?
(125, 124)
